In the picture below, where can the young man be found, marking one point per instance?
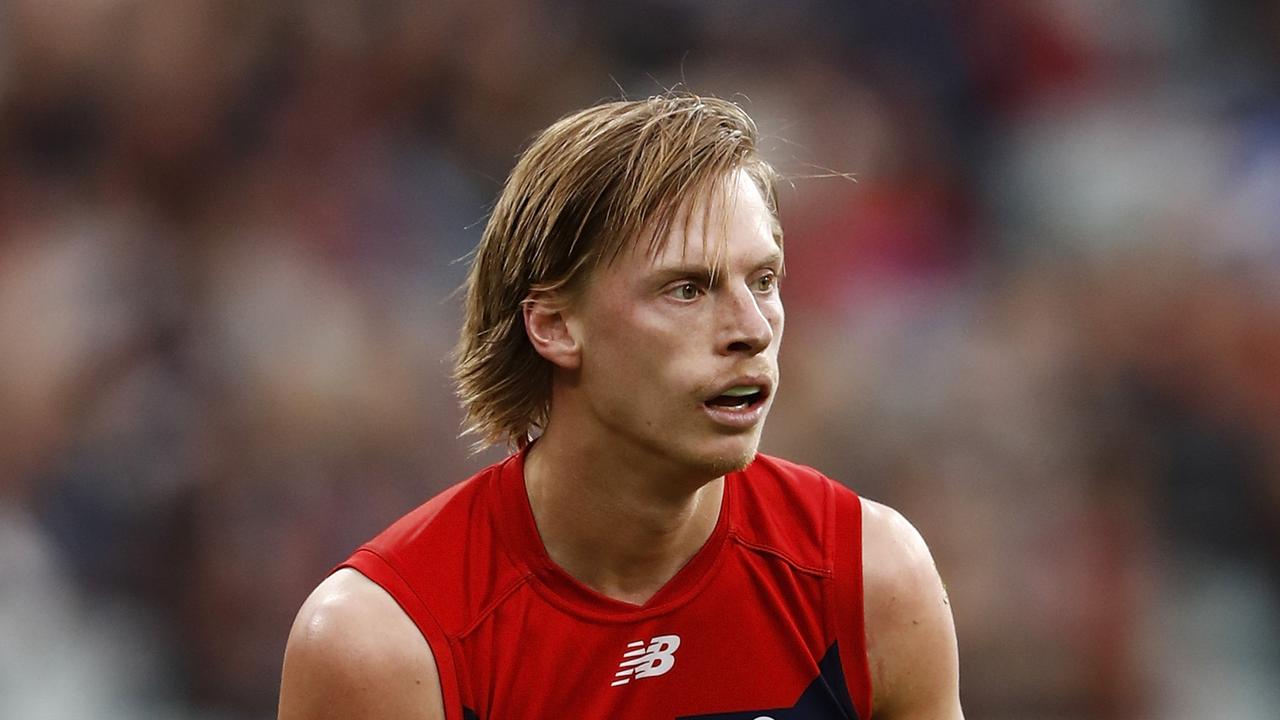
(639, 559)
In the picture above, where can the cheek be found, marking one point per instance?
(777, 318)
(621, 351)
(639, 372)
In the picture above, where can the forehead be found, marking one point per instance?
(728, 221)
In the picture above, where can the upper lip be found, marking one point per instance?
(764, 382)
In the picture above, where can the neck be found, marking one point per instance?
(616, 523)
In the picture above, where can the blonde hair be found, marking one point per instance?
(587, 187)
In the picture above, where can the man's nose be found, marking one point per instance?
(747, 328)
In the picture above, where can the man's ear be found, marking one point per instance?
(550, 332)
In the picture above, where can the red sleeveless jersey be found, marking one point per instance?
(764, 622)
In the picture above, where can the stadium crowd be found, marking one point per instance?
(1033, 282)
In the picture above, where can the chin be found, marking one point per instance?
(729, 464)
(729, 459)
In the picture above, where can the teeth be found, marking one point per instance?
(742, 390)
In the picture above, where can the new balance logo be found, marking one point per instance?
(640, 661)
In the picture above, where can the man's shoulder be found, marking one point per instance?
(359, 645)
(910, 632)
(445, 560)
(353, 651)
(899, 573)
(350, 611)
(897, 561)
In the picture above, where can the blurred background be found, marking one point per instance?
(1044, 322)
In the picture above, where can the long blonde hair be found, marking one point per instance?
(587, 187)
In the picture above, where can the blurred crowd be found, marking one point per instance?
(1033, 283)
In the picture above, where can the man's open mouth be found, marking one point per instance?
(740, 397)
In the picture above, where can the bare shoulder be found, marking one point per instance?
(911, 637)
(353, 653)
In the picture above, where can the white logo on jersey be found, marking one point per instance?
(642, 662)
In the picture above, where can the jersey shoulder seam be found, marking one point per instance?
(780, 555)
(470, 625)
(493, 604)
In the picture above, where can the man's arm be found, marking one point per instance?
(911, 637)
(353, 653)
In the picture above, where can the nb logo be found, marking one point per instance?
(640, 661)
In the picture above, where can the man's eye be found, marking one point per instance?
(766, 282)
(685, 291)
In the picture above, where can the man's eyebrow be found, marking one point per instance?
(774, 258)
(705, 273)
(673, 272)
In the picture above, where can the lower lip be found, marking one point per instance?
(742, 418)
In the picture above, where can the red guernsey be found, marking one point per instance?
(765, 621)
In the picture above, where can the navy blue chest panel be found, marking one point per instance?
(826, 698)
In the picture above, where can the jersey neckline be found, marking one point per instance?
(524, 545)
